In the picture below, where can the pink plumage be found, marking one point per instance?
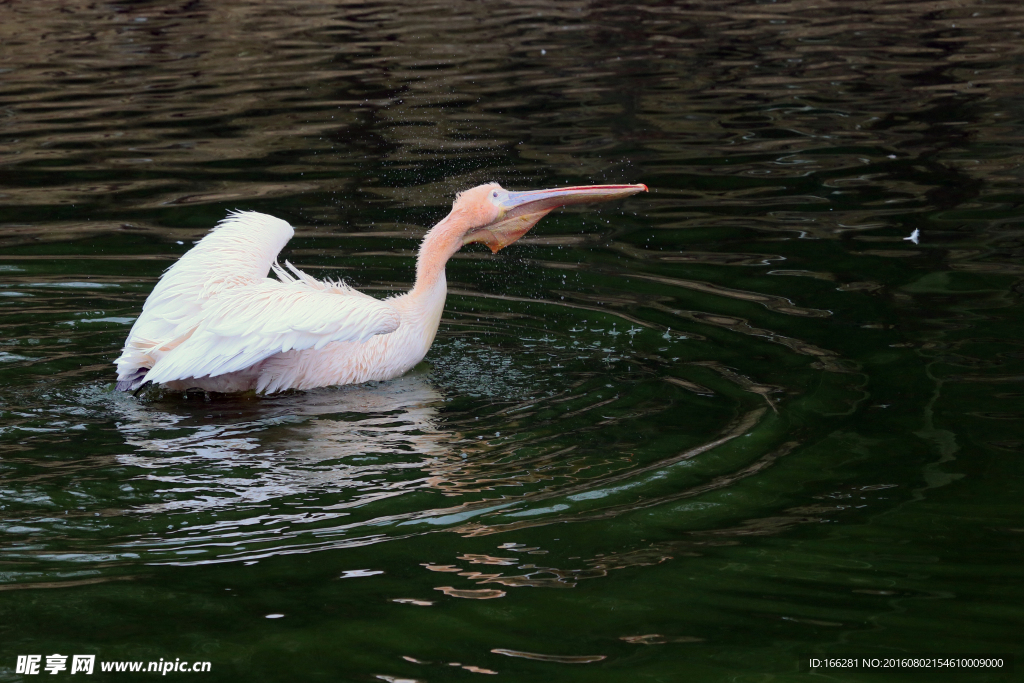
(216, 321)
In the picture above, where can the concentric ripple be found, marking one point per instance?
(528, 412)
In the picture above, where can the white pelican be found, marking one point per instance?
(215, 321)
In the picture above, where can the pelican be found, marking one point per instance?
(216, 321)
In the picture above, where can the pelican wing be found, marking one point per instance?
(236, 253)
(244, 325)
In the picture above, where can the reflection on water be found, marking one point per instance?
(762, 419)
(327, 461)
(310, 443)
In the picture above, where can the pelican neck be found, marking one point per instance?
(439, 245)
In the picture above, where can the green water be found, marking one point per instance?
(703, 434)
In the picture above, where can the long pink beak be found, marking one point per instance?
(522, 210)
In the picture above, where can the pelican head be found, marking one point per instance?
(498, 217)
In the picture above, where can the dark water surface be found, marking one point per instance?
(698, 435)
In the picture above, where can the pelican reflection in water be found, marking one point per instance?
(358, 443)
(338, 443)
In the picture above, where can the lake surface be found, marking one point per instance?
(702, 434)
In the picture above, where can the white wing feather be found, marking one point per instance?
(244, 325)
(215, 311)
